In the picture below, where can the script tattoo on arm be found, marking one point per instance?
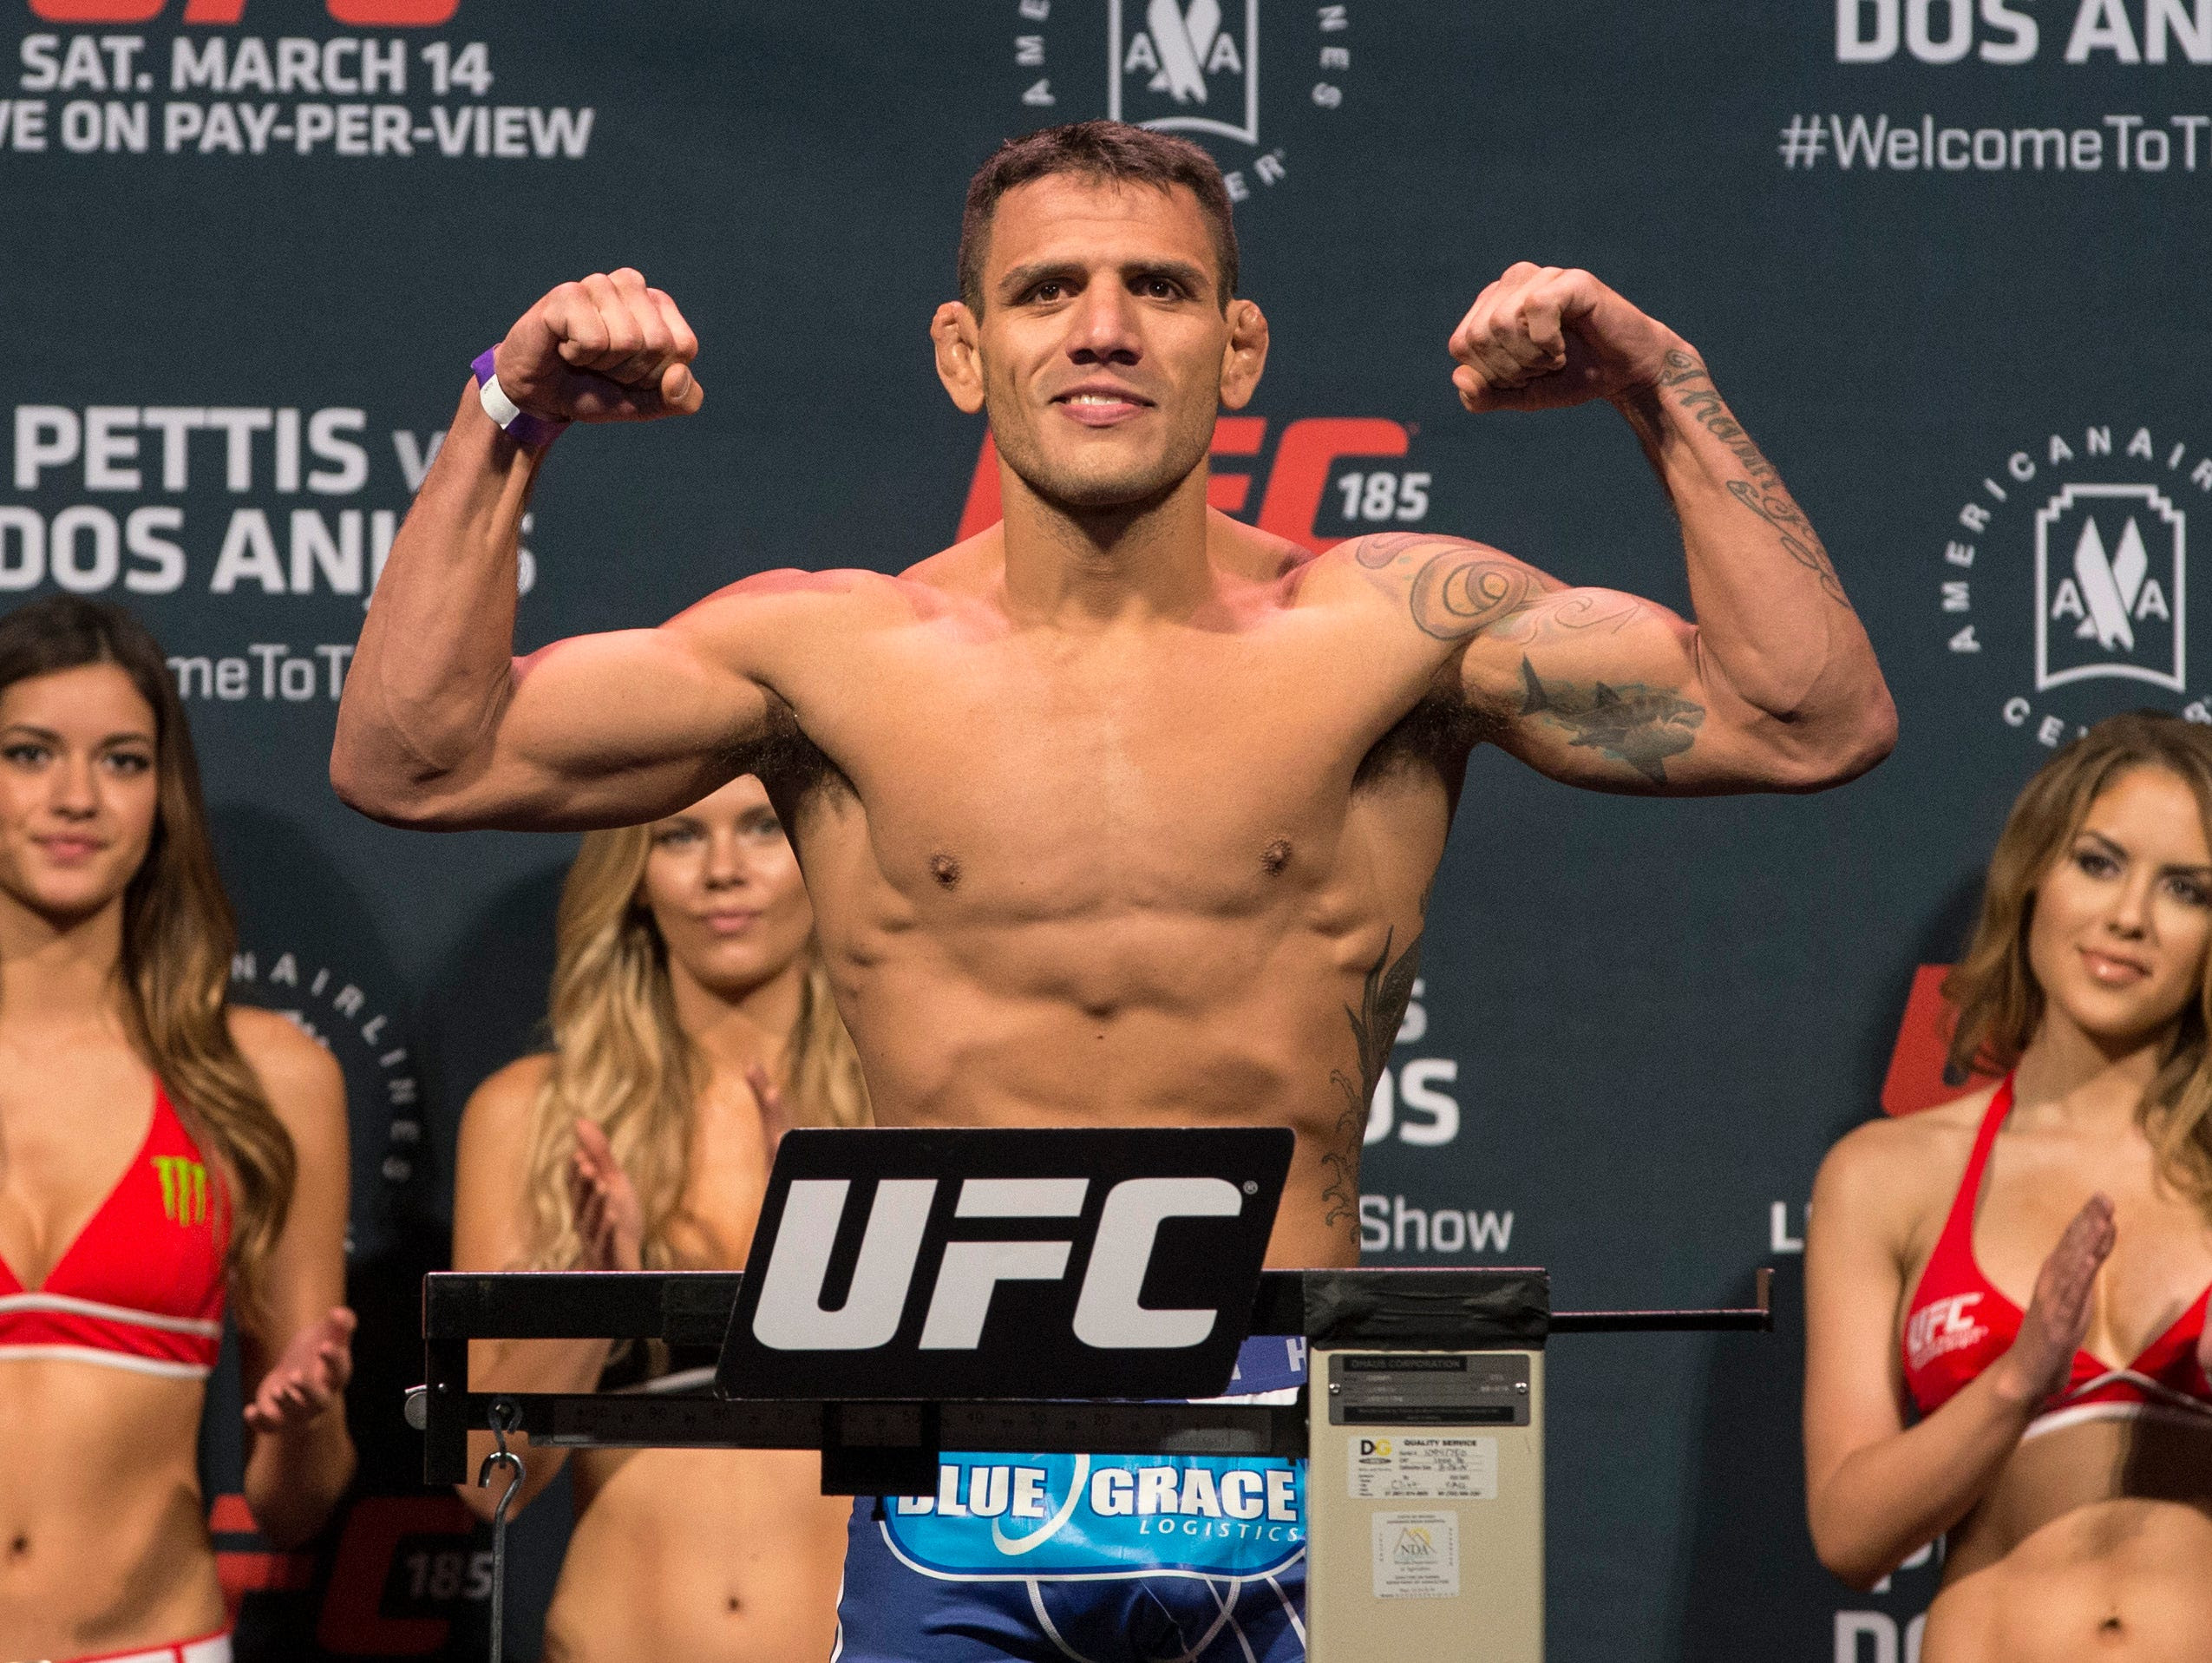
(1633, 724)
(1384, 996)
(1763, 493)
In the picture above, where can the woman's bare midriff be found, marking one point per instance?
(2095, 1543)
(103, 1531)
(710, 1555)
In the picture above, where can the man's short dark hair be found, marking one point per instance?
(1110, 151)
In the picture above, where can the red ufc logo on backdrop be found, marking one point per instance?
(359, 14)
(1915, 1079)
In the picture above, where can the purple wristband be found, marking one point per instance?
(532, 432)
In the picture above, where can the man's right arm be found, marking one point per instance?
(439, 725)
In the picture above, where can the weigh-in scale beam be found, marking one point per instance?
(692, 1309)
(1423, 1425)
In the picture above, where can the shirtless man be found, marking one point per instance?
(1120, 812)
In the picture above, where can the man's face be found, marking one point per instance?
(1103, 351)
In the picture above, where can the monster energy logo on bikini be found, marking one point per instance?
(184, 1188)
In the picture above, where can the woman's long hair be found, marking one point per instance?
(620, 1058)
(179, 933)
(1998, 1001)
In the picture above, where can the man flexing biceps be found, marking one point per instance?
(1121, 812)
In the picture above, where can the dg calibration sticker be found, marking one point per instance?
(1396, 1468)
(1417, 1555)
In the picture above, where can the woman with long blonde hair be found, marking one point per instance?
(691, 1021)
(161, 1154)
(2006, 1295)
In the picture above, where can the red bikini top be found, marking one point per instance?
(141, 1286)
(1958, 1324)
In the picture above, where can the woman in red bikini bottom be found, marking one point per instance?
(2005, 1322)
(159, 1152)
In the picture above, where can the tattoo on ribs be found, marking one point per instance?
(1382, 998)
(1764, 493)
(1640, 725)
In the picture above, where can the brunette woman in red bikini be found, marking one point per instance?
(2006, 1323)
(159, 1152)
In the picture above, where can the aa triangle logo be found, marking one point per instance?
(2110, 570)
(1185, 64)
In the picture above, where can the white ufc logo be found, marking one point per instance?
(790, 1317)
(1942, 1326)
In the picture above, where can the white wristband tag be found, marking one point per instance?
(497, 405)
(535, 432)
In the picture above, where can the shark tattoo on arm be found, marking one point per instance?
(1640, 725)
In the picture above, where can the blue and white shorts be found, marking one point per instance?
(1088, 1558)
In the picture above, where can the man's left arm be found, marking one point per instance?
(1773, 686)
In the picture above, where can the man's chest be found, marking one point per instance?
(1221, 766)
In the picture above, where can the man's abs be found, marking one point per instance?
(1151, 1018)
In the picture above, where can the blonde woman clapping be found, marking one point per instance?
(691, 1020)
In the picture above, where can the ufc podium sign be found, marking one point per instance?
(1005, 1264)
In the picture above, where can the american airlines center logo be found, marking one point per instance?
(2109, 608)
(1193, 67)
(2065, 578)
(1187, 52)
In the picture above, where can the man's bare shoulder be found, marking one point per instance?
(971, 570)
(843, 600)
(1451, 587)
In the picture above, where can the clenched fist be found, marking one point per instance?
(1543, 337)
(608, 349)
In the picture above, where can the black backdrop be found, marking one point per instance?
(1945, 258)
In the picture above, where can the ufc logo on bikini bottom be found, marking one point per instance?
(956, 1265)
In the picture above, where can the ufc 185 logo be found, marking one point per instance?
(358, 14)
(980, 1264)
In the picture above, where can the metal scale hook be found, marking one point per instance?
(505, 1415)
